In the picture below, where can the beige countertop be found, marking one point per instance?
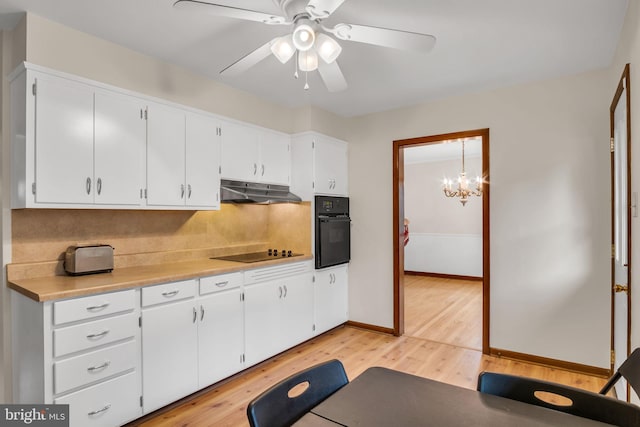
(58, 287)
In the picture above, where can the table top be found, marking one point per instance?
(384, 397)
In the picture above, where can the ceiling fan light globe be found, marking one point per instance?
(303, 37)
(308, 61)
(283, 49)
(328, 49)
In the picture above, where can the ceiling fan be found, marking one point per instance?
(310, 40)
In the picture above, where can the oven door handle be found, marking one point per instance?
(324, 218)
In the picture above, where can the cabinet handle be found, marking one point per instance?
(99, 186)
(182, 191)
(280, 289)
(201, 313)
(285, 291)
(262, 170)
(189, 191)
(98, 307)
(106, 408)
(255, 168)
(170, 294)
(222, 284)
(99, 367)
(88, 185)
(98, 335)
(195, 315)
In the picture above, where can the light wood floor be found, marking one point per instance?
(358, 349)
(448, 311)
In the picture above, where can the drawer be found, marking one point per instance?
(93, 306)
(277, 272)
(174, 291)
(222, 282)
(111, 403)
(92, 334)
(81, 370)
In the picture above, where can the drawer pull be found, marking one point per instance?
(99, 367)
(98, 335)
(98, 307)
(222, 284)
(106, 408)
(170, 294)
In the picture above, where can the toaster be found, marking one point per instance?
(88, 259)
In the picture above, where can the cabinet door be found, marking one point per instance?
(165, 156)
(220, 336)
(169, 353)
(120, 135)
(202, 162)
(330, 161)
(63, 141)
(240, 152)
(275, 158)
(331, 298)
(297, 320)
(263, 308)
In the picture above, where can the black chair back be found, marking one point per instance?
(274, 407)
(583, 403)
(630, 370)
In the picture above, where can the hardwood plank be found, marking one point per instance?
(225, 404)
(444, 310)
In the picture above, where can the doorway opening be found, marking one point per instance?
(482, 270)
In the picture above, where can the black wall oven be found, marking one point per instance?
(333, 231)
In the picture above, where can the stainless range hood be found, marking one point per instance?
(251, 192)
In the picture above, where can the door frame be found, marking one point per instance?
(624, 84)
(398, 225)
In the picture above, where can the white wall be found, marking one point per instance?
(453, 254)
(549, 177)
(13, 52)
(445, 236)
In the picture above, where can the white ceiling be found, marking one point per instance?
(481, 44)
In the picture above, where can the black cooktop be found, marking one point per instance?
(259, 256)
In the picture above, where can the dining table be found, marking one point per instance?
(381, 397)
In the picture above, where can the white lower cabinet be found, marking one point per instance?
(169, 344)
(192, 341)
(331, 298)
(221, 328)
(86, 356)
(116, 356)
(110, 403)
(278, 309)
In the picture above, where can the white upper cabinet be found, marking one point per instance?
(255, 155)
(319, 165)
(202, 162)
(63, 140)
(183, 159)
(119, 148)
(75, 145)
(240, 152)
(275, 158)
(165, 156)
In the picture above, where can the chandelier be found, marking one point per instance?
(464, 189)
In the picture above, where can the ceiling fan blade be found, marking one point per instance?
(249, 60)
(321, 9)
(332, 76)
(397, 39)
(230, 12)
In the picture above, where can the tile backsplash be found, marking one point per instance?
(148, 237)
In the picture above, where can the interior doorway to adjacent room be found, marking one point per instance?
(444, 295)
